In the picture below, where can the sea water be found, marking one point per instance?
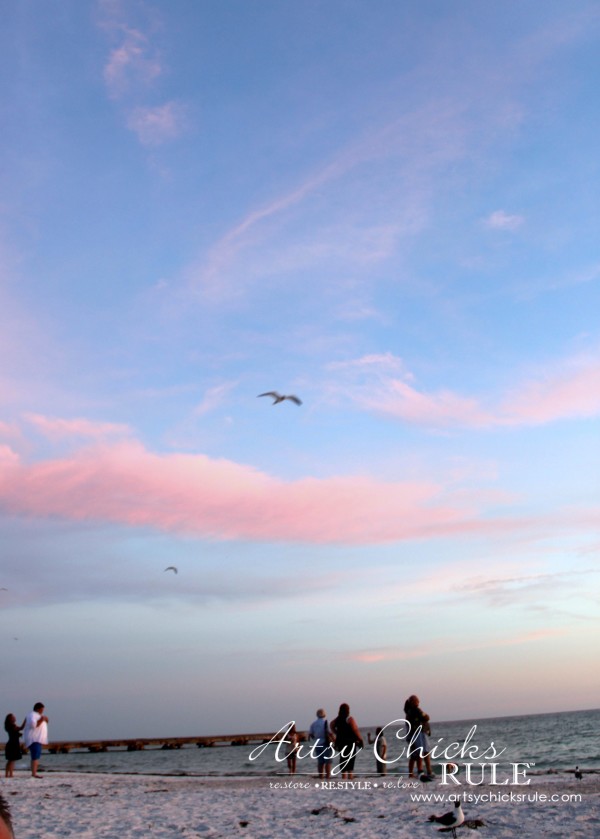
(548, 742)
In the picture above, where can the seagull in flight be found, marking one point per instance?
(450, 820)
(277, 397)
(172, 568)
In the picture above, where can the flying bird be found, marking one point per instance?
(450, 820)
(172, 568)
(278, 397)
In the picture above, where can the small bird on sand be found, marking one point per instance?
(172, 568)
(450, 820)
(578, 773)
(277, 397)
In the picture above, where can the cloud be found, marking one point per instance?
(505, 591)
(131, 63)
(56, 427)
(380, 364)
(443, 646)
(441, 409)
(131, 70)
(8, 457)
(360, 221)
(499, 220)
(124, 483)
(569, 389)
(157, 125)
(214, 398)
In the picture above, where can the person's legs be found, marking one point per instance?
(35, 750)
(415, 758)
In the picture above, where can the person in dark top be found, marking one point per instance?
(348, 740)
(12, 750)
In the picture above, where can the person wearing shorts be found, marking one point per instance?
(319, 732)
(35, 735)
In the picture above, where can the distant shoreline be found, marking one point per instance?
(252, 736)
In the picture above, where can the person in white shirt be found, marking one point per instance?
(35, 735)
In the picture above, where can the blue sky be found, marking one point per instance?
(388, 209)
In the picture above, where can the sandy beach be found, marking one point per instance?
(131, 807)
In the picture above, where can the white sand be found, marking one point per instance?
(136, 806)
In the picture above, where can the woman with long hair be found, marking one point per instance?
(12, 750)
(348, 740)
(418, 729)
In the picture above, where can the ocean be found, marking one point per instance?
(548, 742)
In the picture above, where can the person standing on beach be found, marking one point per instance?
(380, 750)
(12, 749)
(319, 732)
(348, 740)
(418, 722)
(35, 735)
(292, 755)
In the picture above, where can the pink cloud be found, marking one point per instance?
(125, 483)
(157, 125)
(56, 427)
(8, 458)
(568, 390)
(443, 408)
(499, 220)
(130, 63)
(441, 646)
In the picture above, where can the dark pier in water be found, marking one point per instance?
(139, 743)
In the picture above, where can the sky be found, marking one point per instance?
(390, 210)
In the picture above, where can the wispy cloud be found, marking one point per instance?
(131, 72)
(505, 591)
(421, 144)
(214, 398)
(569, 389)
(157, 125)
(444, 646)
(416, 144)
(57, 427)
(131, 63)
(500, 220)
